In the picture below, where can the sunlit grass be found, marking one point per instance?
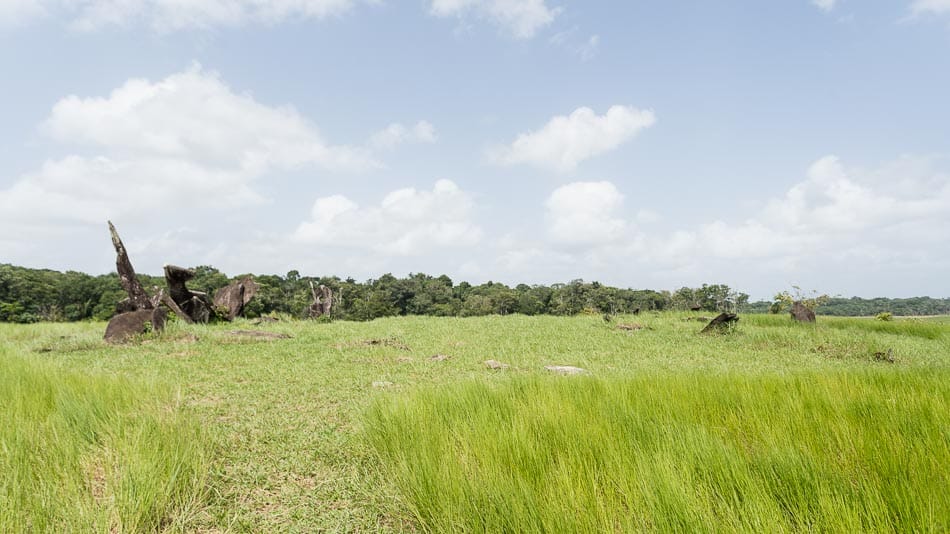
(81, 453)
(841, 452)
(285, 418)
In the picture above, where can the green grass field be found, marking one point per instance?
(774, 427)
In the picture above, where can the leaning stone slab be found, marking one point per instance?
(565, 369)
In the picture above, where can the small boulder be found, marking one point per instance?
(124, 326)
(439, 358)
(565, 369)
(802, 313)
(495, 364)
(720, 323)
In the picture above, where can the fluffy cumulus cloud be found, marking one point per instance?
(406, 222)
(178, 140)
(171, 15)
(585, 213)
(520, 18)
(566, 141)
(838, 218)
(824, 5)
(838, 211)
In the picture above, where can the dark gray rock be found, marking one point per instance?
(720, 323)
(234, 296)
(195, 304)
(802, 313)
(125, 326)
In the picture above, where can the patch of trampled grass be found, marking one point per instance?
(844, 452)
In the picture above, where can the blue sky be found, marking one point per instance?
(641, 144)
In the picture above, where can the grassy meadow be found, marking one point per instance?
(776, 427)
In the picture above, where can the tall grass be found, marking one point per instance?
(845, 451)
(83, 453)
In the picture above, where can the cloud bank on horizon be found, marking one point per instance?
(488, 155)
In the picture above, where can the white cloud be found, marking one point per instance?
(194, 115)
(406, 222)
(187, 141)
(837, 212)
(396, 134)
(934, 7)
(585, 213)
(585, 50)
(17, 12)
(566, 141)
(824, 5)
(172, 15)
(521, 18)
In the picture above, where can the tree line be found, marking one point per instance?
(31, 295)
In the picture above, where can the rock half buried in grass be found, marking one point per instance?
(721, 323)
(124, 326)
(439, 357)
(565, 369)
(630, 326)
(495, 364)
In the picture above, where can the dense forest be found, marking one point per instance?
(31, 295)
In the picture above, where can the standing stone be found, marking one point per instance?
(195, 304)
(138, 299)
(802, 313)
(234, 296)
(322, 301)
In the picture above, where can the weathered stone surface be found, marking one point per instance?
(195, 304)
(565, 369)
(802, 313)
(495, 364)
(720, 323)
(322, 301)
(124, 326)
(138, 299)
(234, 296)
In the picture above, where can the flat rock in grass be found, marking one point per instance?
(565, 369)
(495, 364)
(124, 326)
(630, 326)
(259, 334)
(439, 358)
(382, 384)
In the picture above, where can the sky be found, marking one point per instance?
(636, 143)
